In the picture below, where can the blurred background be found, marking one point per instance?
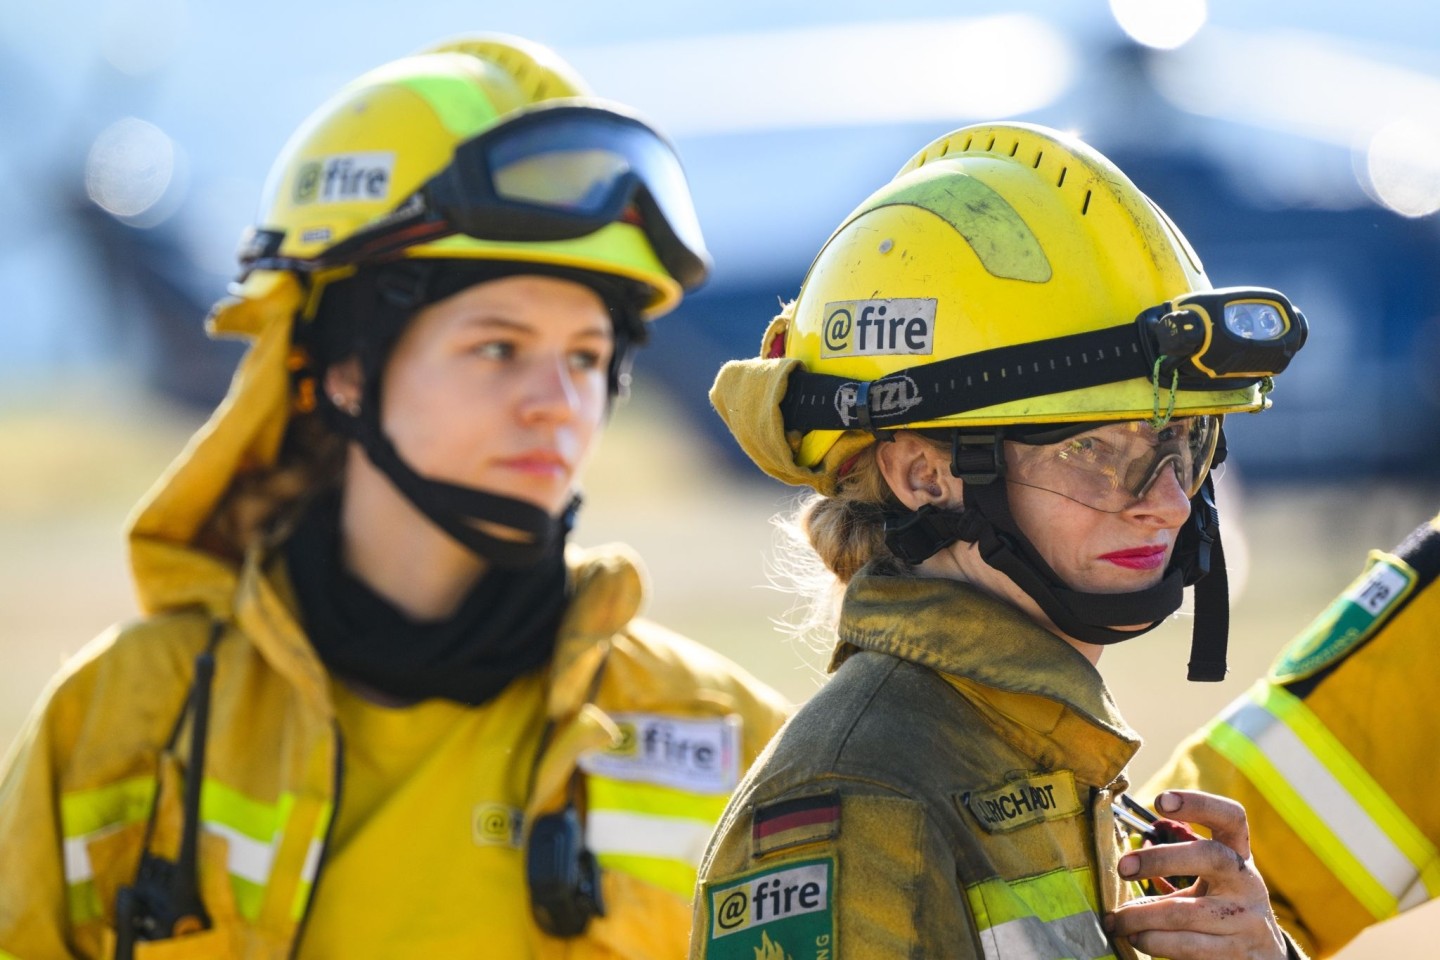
(1295, 142)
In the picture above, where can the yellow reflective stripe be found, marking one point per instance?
(250, 827)
(667, 874)
(650, 831)
(84, 812)
(84, 902)
(1251, 761)
(245, 815)
(604, 793)
(249, 897)
(1409, 839)
(1050, 917)
(312, 861)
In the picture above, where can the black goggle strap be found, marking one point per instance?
(1202, 559)
(930, 391)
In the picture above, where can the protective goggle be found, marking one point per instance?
(556, 171)
(1235, 333)
(1112, 466)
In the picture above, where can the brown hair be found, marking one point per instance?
(310, 462)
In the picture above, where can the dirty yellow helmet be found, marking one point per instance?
(371, 155)
(996, 280)
(1010, 276)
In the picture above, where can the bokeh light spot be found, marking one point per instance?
(130, 166)
(1162, 24)
(1403, 163)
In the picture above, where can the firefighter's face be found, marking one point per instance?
(502, 387)
(1095, 551)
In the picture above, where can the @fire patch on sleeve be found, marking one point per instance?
(1349, 621)
(698, 754)
(784, 913)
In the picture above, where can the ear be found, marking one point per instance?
(918, 472)
(345, 384)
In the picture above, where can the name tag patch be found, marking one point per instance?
(786, 913)
(877, 328)
(1349, 620)
(1020, 803)
(699, 755)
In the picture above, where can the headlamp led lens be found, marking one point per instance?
(1253, 320)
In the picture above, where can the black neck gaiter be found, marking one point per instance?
(504, 628)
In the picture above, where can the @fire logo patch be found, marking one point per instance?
(878, 328)
(786, 912)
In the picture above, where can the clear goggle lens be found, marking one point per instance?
(1112, 467)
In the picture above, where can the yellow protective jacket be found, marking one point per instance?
(946, 795)
(1333, 754)
(78, 791)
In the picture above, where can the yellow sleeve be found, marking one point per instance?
(866, 877)
(1332, 755)
(34, 917)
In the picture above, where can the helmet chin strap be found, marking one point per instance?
(464, 513)
(1088, 617)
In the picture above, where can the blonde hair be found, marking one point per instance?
(311, 459)
(824, 542)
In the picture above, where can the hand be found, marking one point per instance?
(1225, 913)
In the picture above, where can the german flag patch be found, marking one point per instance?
(791, 823)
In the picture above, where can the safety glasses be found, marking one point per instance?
(1110, 467)
(555, 171)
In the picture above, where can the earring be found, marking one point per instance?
(350, 407)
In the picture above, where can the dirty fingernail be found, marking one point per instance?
(1129, 865)
(1167, 802)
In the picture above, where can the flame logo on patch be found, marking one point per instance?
(770, 950)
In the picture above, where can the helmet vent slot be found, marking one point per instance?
(1085, 207)
(1061, 181)
(968, 140)
(944, 149)
(1015, 149)
(1039, 155)
(990, 146)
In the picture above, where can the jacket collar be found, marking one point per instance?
(1040, 692)
(607, 590)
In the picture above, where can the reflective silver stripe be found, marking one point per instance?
(1332, 804)
(1076, 937)
(642, 835)
(246, 857)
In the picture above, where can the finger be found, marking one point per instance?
(1210, 915)
(1224, 817)
(1198, 858)
(1182, 945)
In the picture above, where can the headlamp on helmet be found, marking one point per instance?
(1235, 333)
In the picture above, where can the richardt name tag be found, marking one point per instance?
(1019, 803)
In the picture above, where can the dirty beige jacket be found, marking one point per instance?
(946, 795)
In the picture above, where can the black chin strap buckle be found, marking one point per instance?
(915, 537)
(977, 458)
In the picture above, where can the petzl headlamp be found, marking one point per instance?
(1235, 333)
(554, 171)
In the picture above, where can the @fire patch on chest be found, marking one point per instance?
(701, 755)
(1019, 803)
(784, 913)
(1349, 621)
